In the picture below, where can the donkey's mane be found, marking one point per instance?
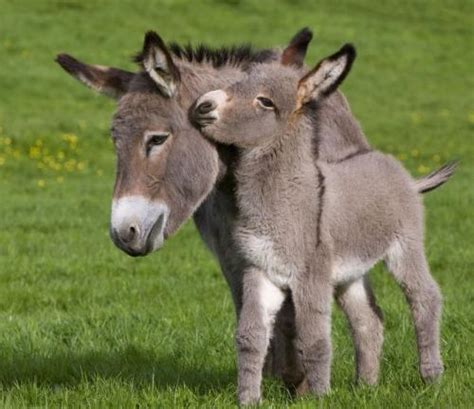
(235, 55)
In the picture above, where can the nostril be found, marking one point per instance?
(205, 107)
(130, 234)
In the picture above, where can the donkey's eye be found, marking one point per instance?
(156, 140)
(266, 103)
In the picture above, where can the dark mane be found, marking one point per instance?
(235, 56)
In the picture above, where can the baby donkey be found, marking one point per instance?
(306, 227)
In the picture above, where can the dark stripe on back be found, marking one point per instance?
(351, 155)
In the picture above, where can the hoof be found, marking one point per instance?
(367, 379)
(319, 389)
(249, 398)
(431, 373)
(303, 388)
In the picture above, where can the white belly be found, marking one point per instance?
(259, 250)
(349, 269)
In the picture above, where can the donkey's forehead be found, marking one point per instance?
(138, 112)
(139, 103)
(273, 80)
(273, 76)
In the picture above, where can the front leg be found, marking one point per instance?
(285, 361)
(312, 295)
(261, 301)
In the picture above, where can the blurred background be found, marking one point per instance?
(82, 323)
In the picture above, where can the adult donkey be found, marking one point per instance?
(166, 171)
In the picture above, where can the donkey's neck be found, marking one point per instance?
(288, 153)
(288, 164)
(278, 194)
(338, 133)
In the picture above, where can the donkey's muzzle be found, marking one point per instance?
(138, 225)
(126, 239)
(203, 113)
(205, 107)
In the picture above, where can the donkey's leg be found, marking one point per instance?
(365, 320)
(286, 361)
(409, 266)
(261, 301)
(276, 359)
(312, 297)
(281, 359)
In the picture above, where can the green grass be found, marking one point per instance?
(82, 324)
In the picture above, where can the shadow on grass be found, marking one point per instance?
(141, 368)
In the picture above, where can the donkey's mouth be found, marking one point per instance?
(201, 122)
(156, 237)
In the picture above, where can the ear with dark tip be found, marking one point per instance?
(328, 74)
(296, 51)
(109, 81)
(156, 60)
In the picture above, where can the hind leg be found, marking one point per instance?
(365, 320)
(409, 266)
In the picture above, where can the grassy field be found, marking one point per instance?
(84, 325)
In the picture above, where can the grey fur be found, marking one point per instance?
(304, 223)
(193, 176)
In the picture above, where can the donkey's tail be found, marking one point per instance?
(437, 178)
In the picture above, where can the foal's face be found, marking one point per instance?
(268, 101)
(253, 111)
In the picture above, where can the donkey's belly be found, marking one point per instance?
(346, 270)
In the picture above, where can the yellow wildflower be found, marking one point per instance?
(41, 183)
(34, 152)
(70, 165)
(423, 169)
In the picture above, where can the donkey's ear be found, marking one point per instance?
(156, 60)
(324, 79)
(296, 51)
(109, 81)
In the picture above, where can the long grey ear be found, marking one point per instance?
(328, 74)
(156, 60)
(109, 81)
(296, 51)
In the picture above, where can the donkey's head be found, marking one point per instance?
(256, 110)
(164, 166)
